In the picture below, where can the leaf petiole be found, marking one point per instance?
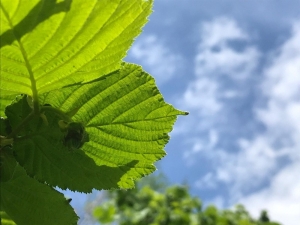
(62, 115)
(5, 141)
(21, 125)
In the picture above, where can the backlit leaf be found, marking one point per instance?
(27, 201)
(48, 44)
(126, 119)
(40, 149)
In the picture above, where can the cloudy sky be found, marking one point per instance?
(235, 66)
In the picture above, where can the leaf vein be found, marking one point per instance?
(66, 46)
(24, 54)
(58, 80)
(46, 42)
(12, 59)
(14, 81)
(17, 8)
(134, 121)
(111, 105)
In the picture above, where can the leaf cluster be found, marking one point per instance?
(174, 206)
(73, 114)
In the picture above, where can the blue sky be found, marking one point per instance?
(235, 66)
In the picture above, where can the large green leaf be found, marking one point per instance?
(127, 121)
(27, 201)
(126, 118)
(48, 44)
(40, 149)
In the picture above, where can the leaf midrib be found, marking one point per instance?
(130, 122)
(24, 54)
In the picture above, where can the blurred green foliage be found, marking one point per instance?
(172, 205)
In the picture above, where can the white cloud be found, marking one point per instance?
(201, 145)
(262, 172)
(270, 160)
(281, 198)
(205, 95)
(208, 181)
(281, 116)
(282, 87)
(157, 59)
(202, 95)
(219, 31)
(243, 170)
(247, 168)
(227, 61)
(217, 57)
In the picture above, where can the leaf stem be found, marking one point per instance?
(5, 141)
(21, 125)
(61, 114)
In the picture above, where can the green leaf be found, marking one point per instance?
(5, 219)
(105, 213)
(4, 127)
(8, 164)
(127, 122)
(5, 101)
(14, 118)
(40, 149)
(27, 201)
(126, 119)
(48, 44)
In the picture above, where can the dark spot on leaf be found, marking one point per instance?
(75, 136)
